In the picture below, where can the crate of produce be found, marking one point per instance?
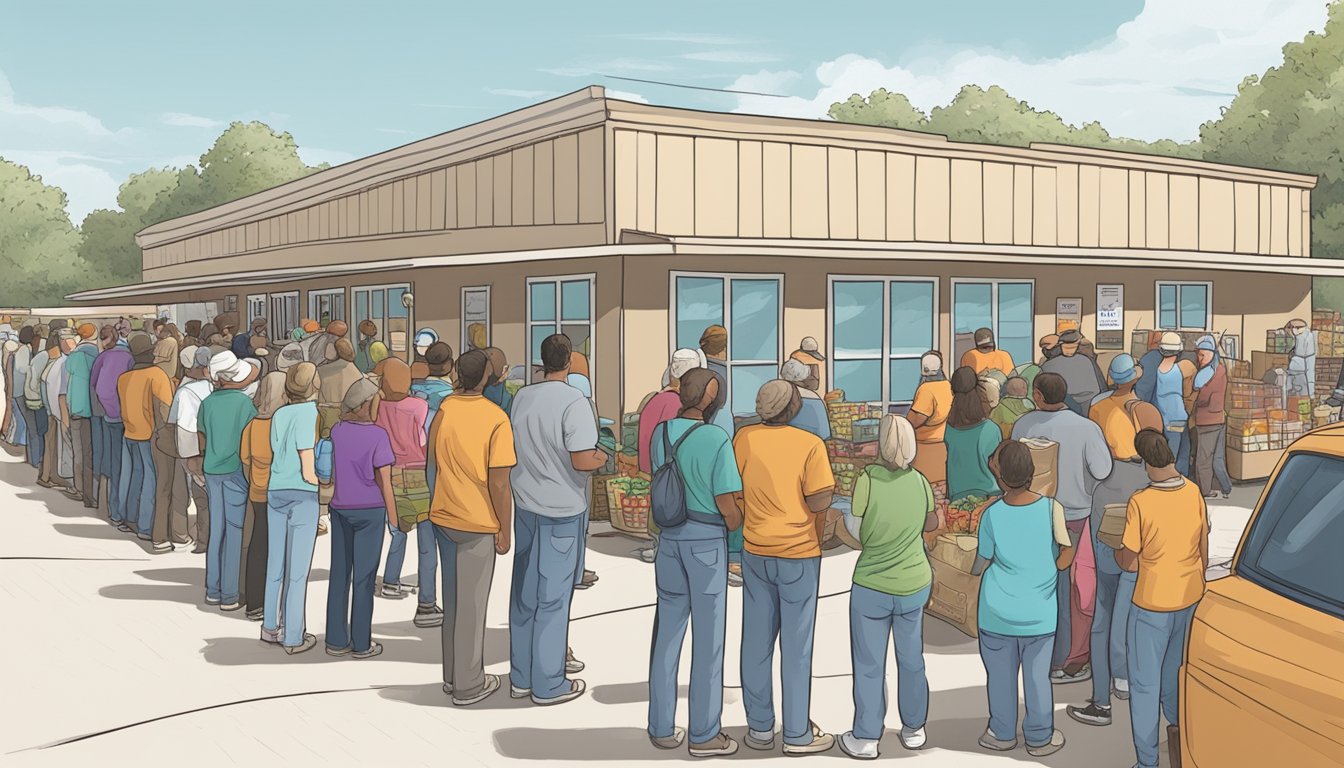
(600, 505)
(865, 430)
(1237, 369)
(1278, 340)
(847, 450)
(627, 503)
(847, 471)
(963, 515)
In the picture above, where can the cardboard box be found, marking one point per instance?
(1263, 362)
(956, 549)
(1256, 465)
(1112, 529)
(1045, 457)
(955, 597)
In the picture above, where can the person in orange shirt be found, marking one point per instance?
(986, 356)
(255, 453)
(787, 489)
(146, 394)
(471, 450)
(928, 415)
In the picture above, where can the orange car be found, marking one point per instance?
(1263, 682)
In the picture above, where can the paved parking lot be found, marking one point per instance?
(111, 655)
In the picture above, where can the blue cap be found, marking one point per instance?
(1206, 343)
(425, 337)
(1123, 369)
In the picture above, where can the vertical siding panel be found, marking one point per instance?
(1066, 186)
(1023, 199)
(323, 222)
(1246, 204)
(503, 189)
(466, 195)
(367, 214)
(932, 191)
(776, 190)
(399, 205)
(998, 203)
(900, 197)
(1044, 208)
(263, 234)
(646, 173)
(567, 179)
(450, 197)
(1113, 221)
(1184, 212)
(522, 186)
(592, 163)
(749, 200)
(1291, 222)
(1089, 202)
(1278, 221)
(842, 189)
(1265, 223)
(676, 185)
(627, 180)
(424, 202)
(1306, 222)
(543, 164)
(968, 202)
(438, 182)
(808, 205)
(1138, 209)
(485, 192)
(1217, 227)
(872, 195)
(1159, 209)
(716, 172)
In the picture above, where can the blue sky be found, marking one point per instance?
(91, 92)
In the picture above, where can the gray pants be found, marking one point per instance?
(170, 499)
(468, 566)
(81, 435)
(1207, 467)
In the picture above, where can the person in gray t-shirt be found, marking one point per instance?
(555, 439)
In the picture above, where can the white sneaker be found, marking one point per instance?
(761, 740)
(1121, 688)
(913, 739)
(859, 749)
(519, 693)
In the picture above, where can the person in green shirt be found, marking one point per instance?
(971, 439)
(220, 422)
(892, 580)
(1015, 403)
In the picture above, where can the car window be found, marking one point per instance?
(1296, 544)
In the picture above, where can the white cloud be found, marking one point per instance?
(1162, 74)
(12, 110)
(731, 57)
(184, 120)
(626, 96)
(86, 185)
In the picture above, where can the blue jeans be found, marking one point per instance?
(114, 447)
(356, 544)
(1156, 647)
(138, 481)
(97, 429)
(692, 584)
(428, 565)
(1004, 656)
(779, 602)
(20, 424)
(583, 548)
(291, 517)
(873, 618)
(36, 421)
(227, 496)
(1110, 625)
(1179, 442)
(545, 558)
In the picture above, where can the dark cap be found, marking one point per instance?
(439, 358)
(1071, 336)
(141, 346)
(984, 336)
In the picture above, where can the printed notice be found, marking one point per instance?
(1110, 307)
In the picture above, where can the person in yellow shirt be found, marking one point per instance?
(470, 449)
(986, 356)
(787, 489)
(1166, 541)
(928, 415)
(146, 394)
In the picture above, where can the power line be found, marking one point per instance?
(694, 87)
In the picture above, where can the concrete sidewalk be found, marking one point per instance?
(112, 656)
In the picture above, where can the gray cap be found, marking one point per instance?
(202, 359)
(360, 392)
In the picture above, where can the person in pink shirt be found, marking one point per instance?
(403, 418)
(662, 407)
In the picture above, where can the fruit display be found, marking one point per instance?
(963, 515)
(847, 473)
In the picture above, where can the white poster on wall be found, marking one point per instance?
(1110, 307)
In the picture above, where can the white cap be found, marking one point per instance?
(188, 356)
(1171, 342)
(227, 367)
(930, 364)
(683, 360)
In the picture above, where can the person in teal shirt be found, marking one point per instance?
(971, 438)
(1023, 545)
(220, 422)
(892, 581)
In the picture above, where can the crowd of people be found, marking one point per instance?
(268, 440)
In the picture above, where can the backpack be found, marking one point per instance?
(667, 491)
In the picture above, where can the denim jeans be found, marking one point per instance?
(356, 545)
(16, 410)
(546, 554)
(1110, 625)
(36, 420)
(292, 527)
(692, 586)
(1156, 648)
(1179, 442)
(874, 617)
(227, 496)
(779, 602)
(138, 481)
(583, 547)
(114, 454)
(468, 570)
(428, 564)
(1004, 656)
(98, 426)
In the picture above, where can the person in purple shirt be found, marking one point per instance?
(361, 507)
(114, 360)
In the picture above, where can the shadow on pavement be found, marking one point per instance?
(401, 641)
(432, 695)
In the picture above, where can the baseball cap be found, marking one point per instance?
(795, 371)
(930, 363)
(1071, 336)
(809, 346)
(425, 336)
(984, 336)
(187, 357)
(1207, 343)
(1123, 369)
(1171, 342)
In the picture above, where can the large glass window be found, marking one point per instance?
(326, 306)
(880, 327)
(1184, 306)
(475, 318)
(1294, 543)
(1004, 306)
(749, 307)
(560, 305)
(284, 316)
(256, 307)
(383, 305)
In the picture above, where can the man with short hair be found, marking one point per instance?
(439, 384)
(555, 437)
(79, 370)
(146, 395)
(986, 356)
(1084, 461)
(223, 415)
(242, 343)
(1210, 420)
(54, 394)
(1081, 375)
(196, 386)
(471, 450)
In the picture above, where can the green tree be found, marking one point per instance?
(881, 107)
(38, 244)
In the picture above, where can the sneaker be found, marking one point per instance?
(1062, 677)
(576, 689)
(271, 637)
(761, 740)
(1120, 689)
(514, 691)
(821, 742)
(375, 649)
(572, 665)
(309, 642)
(427, 616)
(212, 600)
(677, 738)
(199, 549)
(988, 741)
(124, 528)
(392, 591)
(256, 614)
(648, 555)
(913, 739)
(339, 651)
(230, 607)
(734, 574)
(722, 745)
(491, 685)
(162, 547)
(1092, 714)
(72, 494)
(185, 541)
(1055, 744)
(588, 580)
(144, 537)
(859, 749)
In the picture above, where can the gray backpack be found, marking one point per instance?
(667, 491)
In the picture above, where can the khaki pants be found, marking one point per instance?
(200, 500)
(170, 499)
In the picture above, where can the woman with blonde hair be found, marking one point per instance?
(892, 580)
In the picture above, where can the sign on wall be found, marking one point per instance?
(1068, 315)
(1110, 316)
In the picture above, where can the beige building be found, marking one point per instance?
(632, 227)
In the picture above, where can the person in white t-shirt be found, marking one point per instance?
(188, 476)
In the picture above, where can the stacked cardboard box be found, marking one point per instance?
(1264, 362)
(1250, 404)
(1327, 320)
(853, 443)
(1278, 340)
(1237, 369)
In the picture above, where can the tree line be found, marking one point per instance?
(1290, 118)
